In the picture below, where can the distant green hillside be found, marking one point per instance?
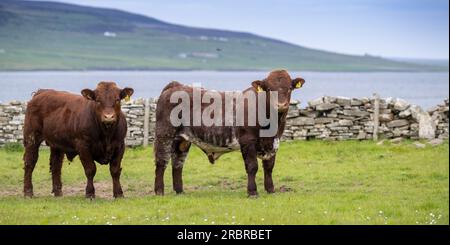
(56, 36)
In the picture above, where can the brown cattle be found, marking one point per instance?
(91, 126)
(173, 142)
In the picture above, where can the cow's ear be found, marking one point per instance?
(88, 94)
(258, 85)
(126, 93)
(298, 83)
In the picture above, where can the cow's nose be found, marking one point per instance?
(282, 107)
(108, 117)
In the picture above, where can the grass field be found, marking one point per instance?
(317, 182)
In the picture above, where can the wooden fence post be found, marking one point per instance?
(376, 116)
(146, 121)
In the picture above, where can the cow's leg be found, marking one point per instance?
(115, 170)
(162, 148)
(251, 166)
(30, 157)
(268, 167)
(56, 160)
(180, 150)
(89, 170)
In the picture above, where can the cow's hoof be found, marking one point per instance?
(28, 194)
(58, 194)
(253, 195)
(90, 196)
(159, 193)
(270, 191)
(118, 195)
(179, 192)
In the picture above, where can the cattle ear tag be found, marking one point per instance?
(127, 98)
(298, 85)
(259, 89)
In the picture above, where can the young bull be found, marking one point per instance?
(172, 142)
(91, 126)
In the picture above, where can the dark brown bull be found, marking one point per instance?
(91, 126)
(173, 143)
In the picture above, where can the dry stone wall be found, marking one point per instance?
(330, 118)
(340, 118)
(439, 115)
(135, 114)
(12, 115)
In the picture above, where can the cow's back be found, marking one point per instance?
(47, 101)
(56, 116)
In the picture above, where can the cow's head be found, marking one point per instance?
(107, 97)
(281, 82)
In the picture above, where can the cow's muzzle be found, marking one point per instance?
(108, 119)
(283, 107)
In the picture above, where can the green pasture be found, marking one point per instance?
(317, 182)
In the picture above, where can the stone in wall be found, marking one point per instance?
(440, 117)
(293, 109)
(12, 117)
(134, 112)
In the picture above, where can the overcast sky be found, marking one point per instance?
(390, 28)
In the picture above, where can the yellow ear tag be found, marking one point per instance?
(298, 85)
(127, 98)
(259, 89)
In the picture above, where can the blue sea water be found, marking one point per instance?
(426, 89)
